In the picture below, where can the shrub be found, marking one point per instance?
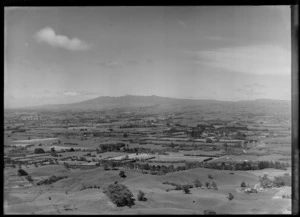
(22, 172)
(105, 166)
(51, 180)
(141, 196)
(285, 180)
(72, 150)
(197, 183)
(209, 212)
(186, 189)
(119, 194)
(243, 184)
(230, 196)
(210, 176)
(214, 185)
(39, 151)
(29, 178)
(178, 187)
(265, 182)
(207, 184)
(122, 174)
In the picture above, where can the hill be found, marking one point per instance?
(157, 102)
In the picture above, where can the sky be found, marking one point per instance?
(57, 55)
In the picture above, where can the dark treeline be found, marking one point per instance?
(246, 165)
(121, 147)
(163, 169)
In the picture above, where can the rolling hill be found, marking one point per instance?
(134, 101)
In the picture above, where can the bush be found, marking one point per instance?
(230, 196)
(197, 183)
(119, 194)
(72, 150)
(22, 172)
(209, 212)
(122, 174)
(265, 182)
(39, 151)
(178, 187)
(243, 184)
(214, 186)
(141, 196)
(186, 189)
(207, 184)
(51, 180)
(105, 166)
(210, 176)
(285, 180)
(29, 178)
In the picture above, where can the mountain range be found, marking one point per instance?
(135, 101)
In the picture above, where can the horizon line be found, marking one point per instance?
(153, 95)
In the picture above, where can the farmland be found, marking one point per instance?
(84, 151)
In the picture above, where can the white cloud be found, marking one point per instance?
(47, 35)
(69, 93)
(258, 60)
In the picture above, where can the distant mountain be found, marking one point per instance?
(134, 101)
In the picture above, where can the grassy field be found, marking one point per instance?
(93, 201)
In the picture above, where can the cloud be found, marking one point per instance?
(48, 36)
(69, 93)
(257, 60)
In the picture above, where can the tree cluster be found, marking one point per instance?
(119, 194)
(39, 151)
(111, 147)
(51, 180)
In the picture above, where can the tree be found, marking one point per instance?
(119, 194)
(243, 184)
(22, 172)
(197, 183)
(39, 151)
(105, 166)
(72, 150)
(29, 178)
(122, 174)
(265, 182)
(125, 135)
(207, 184)
(66, 165)
(186, 189)
(230, 196)
(284, 180)
(214, 185)
(141, 196)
